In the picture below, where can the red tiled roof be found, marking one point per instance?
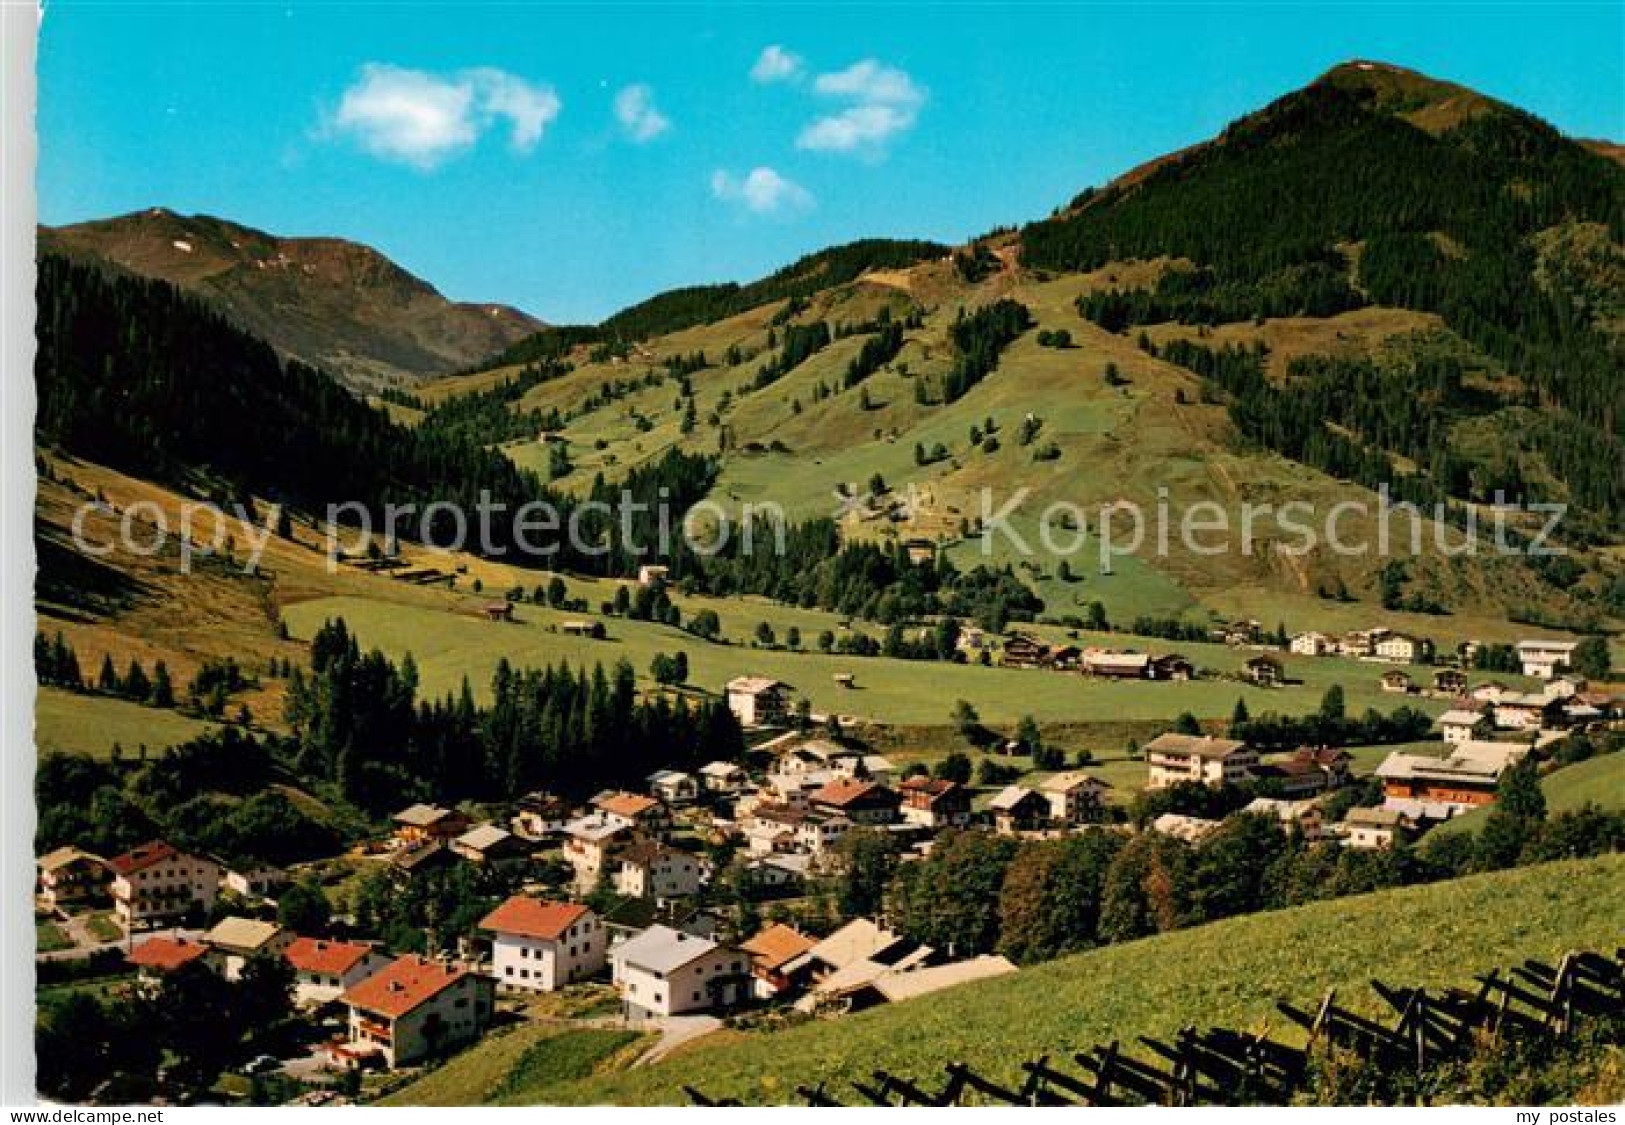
(844, 791)
(403, 985)
(776, 945)
(141, 858)
(318, 955)
(533, 918)
(932, 787)
(166, 953)
(629, 805)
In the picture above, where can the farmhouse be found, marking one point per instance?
(1305, 772)
(1175, 758)
(1115, 664)
(1074, 797)
(859, 946)
(499, 611)
(415, 861)
(234, 941)
(1396, 682)
(1467, 777)
(665, 972)
(412, 1008)
(770, 951)
(1170, 666)
(1449, 681)
(1531, 711)
(1017, 809)
(157, 881)
(1371, 828)
(541, 946)
(862, 802)
(651, 870)
(759, 701)
(653, 577)
(1545, 659)
(419, 823)
(324, 970)
(68, 875)
(1023, 650)
(1265, 670)
(486, 845)
(538, 815)
(934, 803)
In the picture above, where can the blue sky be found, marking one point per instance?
(572, 160)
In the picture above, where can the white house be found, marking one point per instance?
(540, 946)
(1074, 797)
(1312, 644)
(413, 1008)
(759, 701)
(158, 881)
(323, 970)
(664, 972)
(651, 870)
(1402, 648)
(673, 787)
(1460, 725)
(540, 814)
(723, 777)
(1545, 659)
(1175, 758)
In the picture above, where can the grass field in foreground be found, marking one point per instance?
(449, 646)
(521, 1067)
(1229, 973)
(1598, 781)
(66, 721)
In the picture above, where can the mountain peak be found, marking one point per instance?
(1431, 104)
(331, 302)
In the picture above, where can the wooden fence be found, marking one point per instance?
(1223, 1067)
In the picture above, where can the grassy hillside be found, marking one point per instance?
(521, 1066)
(451, 642)
(1229, 973)
(67, 722)
(1597, 781)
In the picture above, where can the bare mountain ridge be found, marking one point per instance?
(330, 302)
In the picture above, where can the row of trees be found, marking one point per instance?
(358, 721)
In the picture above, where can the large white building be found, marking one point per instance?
(664, 972)
(159, 882)
(1545, 659)
(1175, 758)
(413, 1008)
(541, 946)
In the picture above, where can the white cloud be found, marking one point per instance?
(635, 110)
(775, 64)
(762, 190)
(422, 119)
(883, 102)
